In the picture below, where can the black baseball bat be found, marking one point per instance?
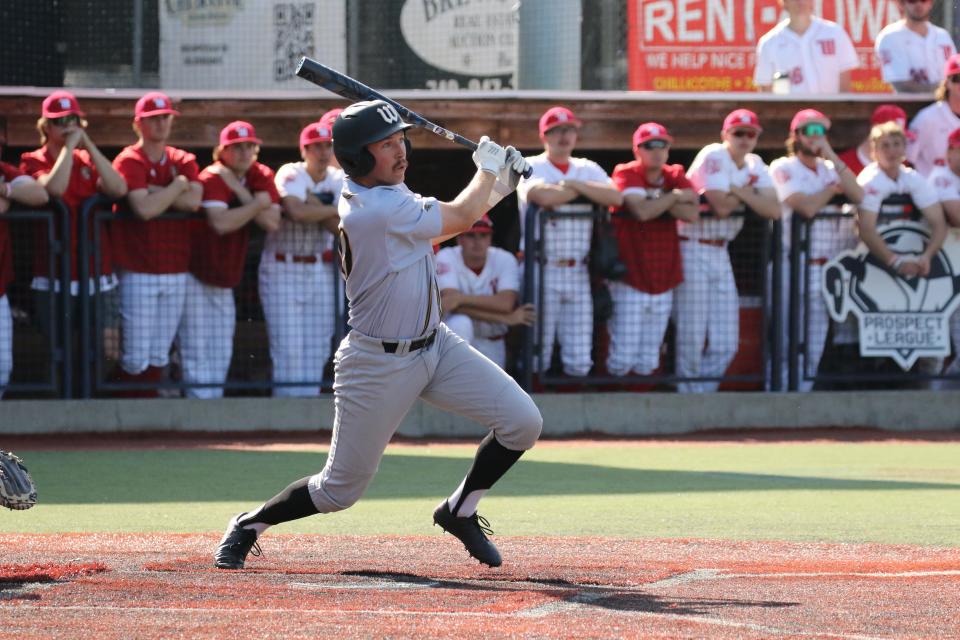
(343, 85)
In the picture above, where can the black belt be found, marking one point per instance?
(391, 347)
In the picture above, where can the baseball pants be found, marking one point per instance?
(206, 337)
(374, 390)
(150, 306)
(6, 343)
(636, 329)
(707, 310)
(462, 325)
(299, 306)
(567, 318)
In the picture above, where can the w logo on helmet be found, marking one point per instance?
(388, 113)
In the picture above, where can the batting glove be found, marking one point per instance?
(508, 177)
(489, 156)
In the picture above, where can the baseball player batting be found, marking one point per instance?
(398, 349)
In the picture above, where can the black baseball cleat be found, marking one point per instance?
(237, 542)
(472, 531)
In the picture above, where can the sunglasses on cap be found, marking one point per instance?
(650, 145)
(66, 120)
(745, 133)
(813, 129)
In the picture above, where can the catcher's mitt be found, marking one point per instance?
(17, 490)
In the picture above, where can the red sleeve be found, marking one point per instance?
(677, 177)
(260, 178)
(132, 170)
(186, 164)
(32, 166)
(9, 171)
(619, 176)
(214, 188)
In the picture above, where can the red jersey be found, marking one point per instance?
(82, 185)
(9, 173)
(215, 259)
(851, 158)
(650, 250)
(153, 246)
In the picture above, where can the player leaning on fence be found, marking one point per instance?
(153, 253)
(398, 350)
(806, 180)
(707, 305)
(560, 178)
(237, 191)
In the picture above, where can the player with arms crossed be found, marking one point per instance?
(912, 51)
(398, 350)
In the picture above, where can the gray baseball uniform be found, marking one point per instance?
(398, 349)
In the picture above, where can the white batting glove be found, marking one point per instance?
(508, 177)
(489, 156)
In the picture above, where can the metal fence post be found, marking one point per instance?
(773, 325)
(796, 235)
(530, 262)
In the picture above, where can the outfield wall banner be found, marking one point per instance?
(899, 318)
(710, 45)
(244, 45)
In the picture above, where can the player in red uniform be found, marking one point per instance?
(153, 254)
(71, 167)
(15, 187)
(237, 190)
(655, 196)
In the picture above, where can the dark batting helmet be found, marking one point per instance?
(359, 125)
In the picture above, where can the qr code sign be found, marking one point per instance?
(293, 37)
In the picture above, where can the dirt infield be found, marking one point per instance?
(158, 586)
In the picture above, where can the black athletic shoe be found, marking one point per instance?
(237, 542)
(471, 531)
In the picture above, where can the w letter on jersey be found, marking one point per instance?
(828, 47)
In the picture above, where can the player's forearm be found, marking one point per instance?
(28, 192)
(809, 205)
(307, 212)
(867, 227)
(763, 202)
(151, 205)
(644, 209)
(722, 203)
(460, 214)
(57, 181)
(484, 315)
(951, 210)
(225, 221)
(686, 211)
(603, 194)
(502, 302)
(189, 200)
(551, 195)
(112, 183)
(938, 229)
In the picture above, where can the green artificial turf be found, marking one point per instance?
(836, 492)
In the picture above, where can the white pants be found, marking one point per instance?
(6, 343)
(462, 325)
(636, 329)
(299, 306)
(707, 310)
(567, 318)
(150, 306)
(374, 390)
(206, 337)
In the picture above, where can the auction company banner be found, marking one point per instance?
(247, 44)
(710, 45)
(899, 318)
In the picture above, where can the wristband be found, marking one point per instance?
(840, 167)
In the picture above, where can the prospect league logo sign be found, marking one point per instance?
(902, 319)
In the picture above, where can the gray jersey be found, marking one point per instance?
(387, 260)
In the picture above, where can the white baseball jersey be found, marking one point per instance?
(499, 273)
(878, 186)
(303, 238)
(907, 56)
(391, 275)
(945, 183)
(814, 60)
(567, 238)
(931, 126)
(828, 236)
(714, 170)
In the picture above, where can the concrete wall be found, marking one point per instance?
(564, 414)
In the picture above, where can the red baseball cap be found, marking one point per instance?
(321, 131)
(650, 131)
(952, 66)
(742, 118)
(888, 113)
(805, 116)
(483, 225)
(556, 116)
(330, 117)
(153, 104)
(953, 140)
(60, 103)
(238, 131)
